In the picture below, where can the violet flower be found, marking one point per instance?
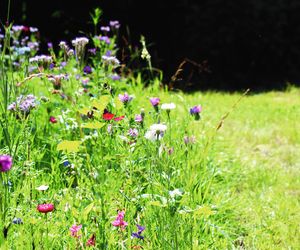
(5, 163)
(138, 233)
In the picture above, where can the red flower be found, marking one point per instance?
(108, 116)
(52, 119)
(120, 118)
(45, 208)
(91, 241)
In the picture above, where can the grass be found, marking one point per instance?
(234, 189)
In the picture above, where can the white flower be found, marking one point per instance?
(42, 188)
(158, 127)
(168, 106)
(156, 132)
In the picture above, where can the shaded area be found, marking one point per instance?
(251, 43)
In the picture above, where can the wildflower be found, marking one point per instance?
(91, 241)
(74, 231)
(33, 29)
(112, 60)
(120, 118)
(138, 118)
(133, 132)
(109, 129)
(45, 208)
(87, 69)
(50, 45)
(79, 44)
(156, 132)
(168, 106)
(17, 221)
(108, 116)
(125, 98)
(56, 80)
(154, 101)
(42, 188)
(105, 28)
(5, 163)
(92, 51)
(196, 110)
(119, 221)
(138, 233)
(105, 39)
(189, 139)
(41, 59)
(114, 24)
(115, 77)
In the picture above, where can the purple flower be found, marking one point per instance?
(138, 233)
(114, 24)
(23, 104)
(115, 77)
(138, 118)
(5, 163)
(125, 98)
(105, 28)
(105, 39)
(108, 53)
(133, 132)
(51, 66)
(195, 110)
(110, 60)
(154, 101)
(50, 45)
(93, 51)
(87, 69)
(63, 64)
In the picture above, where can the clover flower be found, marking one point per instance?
(74, 231)
(45, 208)
(138, 233)
(5, 163)
(125, 98)
(119, 221)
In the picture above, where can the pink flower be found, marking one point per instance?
(74, 230)
(5, 163)
(52, 119)
(91, 241)
(45, 208)
(108, 116)
(119, 221)
(120, 118)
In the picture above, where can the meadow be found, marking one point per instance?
(96, 156)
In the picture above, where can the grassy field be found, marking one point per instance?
(88, 161)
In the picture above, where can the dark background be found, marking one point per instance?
(247, 43)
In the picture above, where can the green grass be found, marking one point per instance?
(236, 187)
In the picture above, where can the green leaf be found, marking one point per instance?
(93, 125)
(87, 210)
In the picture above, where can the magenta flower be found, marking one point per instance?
(91, 241)
(52, 119)
(74, 231)
(5, 163)
(138, 118)
(154, 101)
(119, 221)
(45, 208)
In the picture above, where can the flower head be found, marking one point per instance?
(168, 106)
(91, 241)
(87, 69)
(52, 119)
(154, 101)
(195, 111)
(119, 221)
(74, 231)
(138, 233)
(138, 118)
(105, 28)
(133, 132)
(125, 98)
(5, 163)
(114, 24)
(45, 208)
(108, 116)
(156, 132)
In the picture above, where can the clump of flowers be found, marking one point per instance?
(23, 104)
(119, 221)
(195, 111)
(110, 60)
(156, 132)
(74, 231)
(45, 208)
(5, 163)
(41, 60)
(138, 234)
(80, 44)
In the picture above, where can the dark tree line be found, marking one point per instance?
(248, 43)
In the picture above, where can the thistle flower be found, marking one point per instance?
(133, 132)
(154, 101)
(195, 111)
(138, 233)
(45, 208)
(119, 221)
(91, 241)
(125, 98)
(5, 163)
(74, 231)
